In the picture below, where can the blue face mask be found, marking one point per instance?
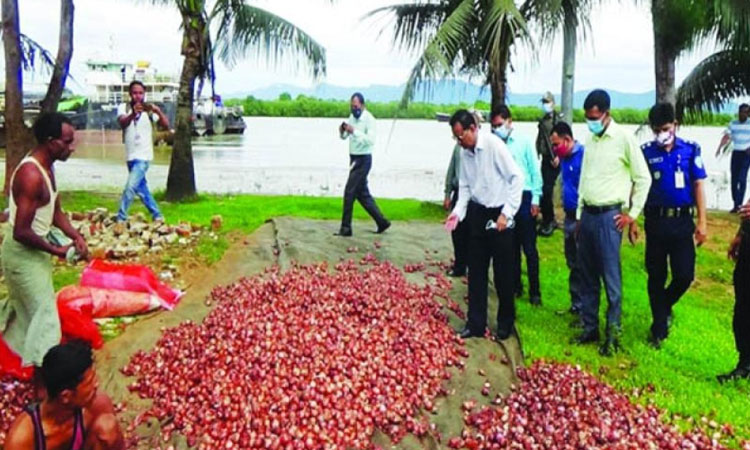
(502, 132)
(547, 108)
(356, 112)
(595, 126)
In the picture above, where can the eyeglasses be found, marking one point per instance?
(461, 137)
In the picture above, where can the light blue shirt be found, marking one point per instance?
(489, 176)
(740, 134)
(524, 154)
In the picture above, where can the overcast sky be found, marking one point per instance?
(618, 54)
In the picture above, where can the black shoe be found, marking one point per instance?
(383, 227)
(586, 337)
(504, 333)
(739, 373)
(346, 232)
(535, 300)
(655, 341)
(734, 210)
(466, 333)
(610, 346)
(546, 230)
(456, 273)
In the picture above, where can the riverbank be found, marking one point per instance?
(678, 378)
(303, 106)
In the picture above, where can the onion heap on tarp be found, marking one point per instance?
(308, 358)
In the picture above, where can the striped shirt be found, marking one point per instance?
(740, 134)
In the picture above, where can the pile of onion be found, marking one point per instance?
(308, 358)
(558, 406)
(14, 396)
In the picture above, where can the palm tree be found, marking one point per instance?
(23, 53)
(461, 38)
(680, 26)
(238, 29)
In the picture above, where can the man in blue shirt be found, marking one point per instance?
(739, 133)
(524, 155)
(570, 153)
(676, 192)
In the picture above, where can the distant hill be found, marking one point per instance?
(442, 92)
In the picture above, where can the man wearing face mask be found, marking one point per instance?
(525, 156)
(676, 192)
(490, 188)
(614, 175)
(360, 130)
(570, 153)
(550, 164)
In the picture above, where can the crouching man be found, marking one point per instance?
(74, 414)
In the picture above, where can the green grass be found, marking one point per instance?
(679, 378)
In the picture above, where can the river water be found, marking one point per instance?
(306, 157)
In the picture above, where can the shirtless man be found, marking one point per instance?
(74, 415)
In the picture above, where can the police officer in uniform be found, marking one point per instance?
(739, 251)
(675, 196)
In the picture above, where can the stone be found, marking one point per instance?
(119, 228)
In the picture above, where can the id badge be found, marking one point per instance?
(679, 180)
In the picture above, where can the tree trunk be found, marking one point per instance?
(664, 58)
(15, 130)
(498, 88)
(62, 63)
(181, 178)
(570, 28)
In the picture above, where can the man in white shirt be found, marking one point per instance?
(360, 130)
(139, 148)
(490, 188)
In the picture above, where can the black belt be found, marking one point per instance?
(591, 209)
(660, 211)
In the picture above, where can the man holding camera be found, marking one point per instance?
(139, 148)
(360, 130)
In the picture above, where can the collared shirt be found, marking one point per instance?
(673, 173)
(525, 156)
(740, 134)
(613, 166)
(570, 172)
(139, 143)
(451, 177)
(489, 176)
(362, 140)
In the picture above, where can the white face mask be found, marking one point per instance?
(665, 138)
(547, 107)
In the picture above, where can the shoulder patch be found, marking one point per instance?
(698, 162)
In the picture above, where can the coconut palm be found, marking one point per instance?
(23, 53)
(461, 38)
(230, 29)
(681, 26)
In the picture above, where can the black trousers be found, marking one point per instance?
(741, 319)
(356, 189)
(486, 245)
(525, 240)
(460, 238)
(549, 178)
(669, 241)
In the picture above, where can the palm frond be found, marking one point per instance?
(413, 23)
(502, 24)
(716, 80)
(243, 29)
(442, 53)
(733, 22)
(34, 56)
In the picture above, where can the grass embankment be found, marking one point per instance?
(303, 106)
(678, 378)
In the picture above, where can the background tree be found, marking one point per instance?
(239, 30)
(23, 53)
(461, 38)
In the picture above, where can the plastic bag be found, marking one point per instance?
(129, 277)
(10, 364)
(107, 302)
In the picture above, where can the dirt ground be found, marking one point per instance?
(281, 242)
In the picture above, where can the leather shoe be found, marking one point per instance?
(739, 373)
(535, 300)
(383, 227)
(467, 333)
(586, 337)
(610, 346)
(655, 341)
(504, 333)
(456, 273)
(346, 232)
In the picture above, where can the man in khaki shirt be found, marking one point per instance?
(614, 175)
